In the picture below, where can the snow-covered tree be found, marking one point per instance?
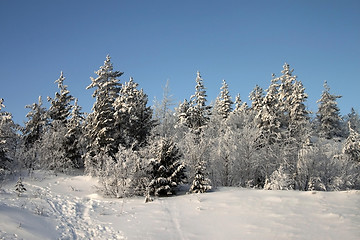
(133, 118)
(352, 144)
(166, 170)
(100, 123)
(280, 179)
(75, 140)
(19, 187)
(52, 151)
(60, 106)
(328, 115)
(36, 124)
(164, 114)
(239, 105)
(299, 125)
(201, 182)
(8, 141)
(353, 119)
(223, 103)
(269, 116)
(256, 96)
(198, 113)
(124, 177)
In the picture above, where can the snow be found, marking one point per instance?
(68, 207)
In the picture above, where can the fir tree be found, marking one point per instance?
(328, 115)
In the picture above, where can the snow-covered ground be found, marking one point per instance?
(67, 207)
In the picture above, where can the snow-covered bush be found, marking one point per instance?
(124, 176)
(280, 179)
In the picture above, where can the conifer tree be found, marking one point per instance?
(75, 140)
(198, 113)
(201, 183)
(256, 96)
(60, 106)
(100, 123)
(328, 115)
(133, 118)
(223, 104)
(36, 124)
(8, 141)
(352, 144)
(166, 171)
(19, 187)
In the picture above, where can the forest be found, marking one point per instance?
(135, 149)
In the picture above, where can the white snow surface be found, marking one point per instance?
(68, 207)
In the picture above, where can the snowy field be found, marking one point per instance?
(67, 207)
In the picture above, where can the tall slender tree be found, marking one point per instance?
(100, 124)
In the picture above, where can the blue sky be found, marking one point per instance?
(243, 42)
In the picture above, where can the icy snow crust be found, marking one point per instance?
(67, 207)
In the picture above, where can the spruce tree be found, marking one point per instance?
(100, 123)
(36, 124)
(328, 115)
(75, 140)
(19, 187)
(223, 104)
(201, 183)
(256, 96)
(60, 106)
(166, 170)
(198, 113)
(133, 118)
(8, 141)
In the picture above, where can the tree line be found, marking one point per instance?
(137, 149)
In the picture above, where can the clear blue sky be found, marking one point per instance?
(242, 42)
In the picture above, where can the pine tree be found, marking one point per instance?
(166, 171)
(133, 118)
(328, 115)
(223, 104)
(100, 123)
